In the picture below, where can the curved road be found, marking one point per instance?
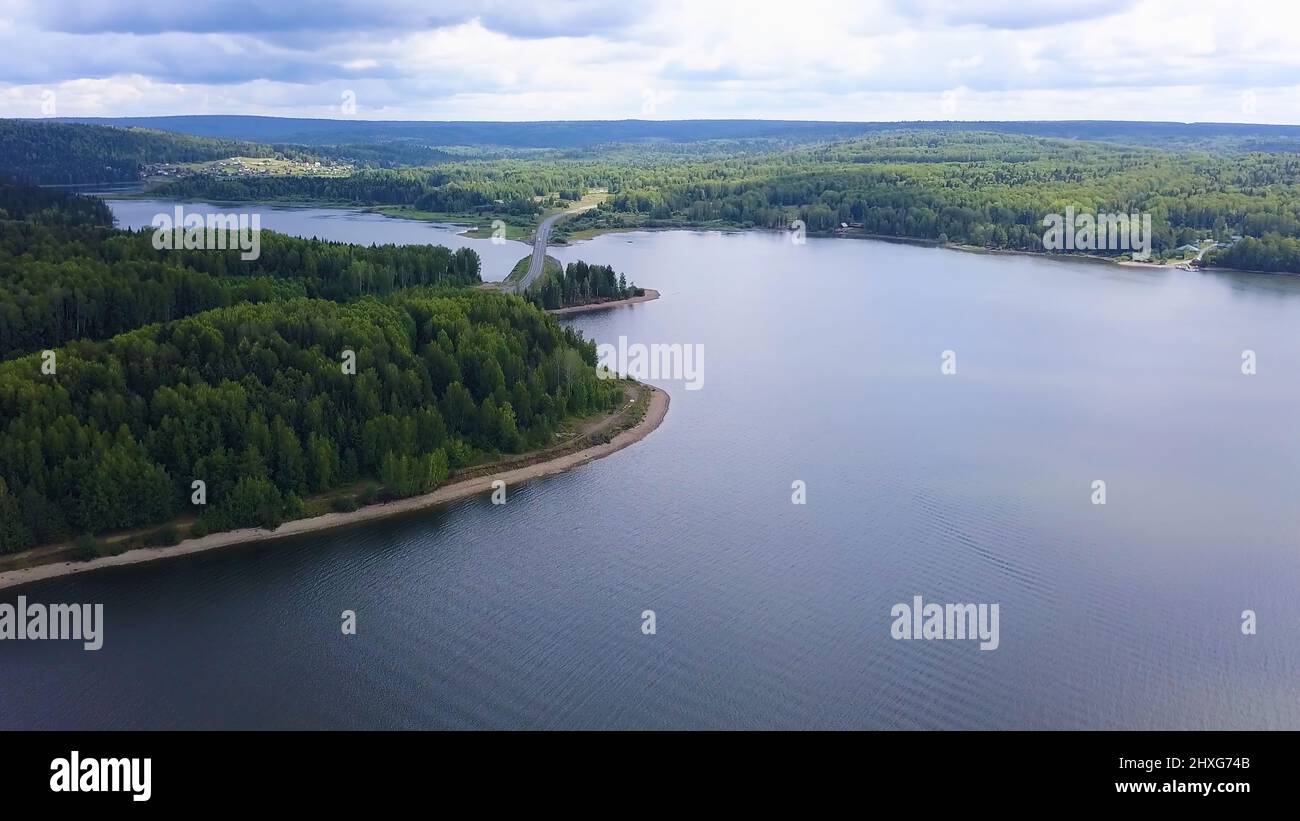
(536, 264)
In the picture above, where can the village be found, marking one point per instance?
(244, 167)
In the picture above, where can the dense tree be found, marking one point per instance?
(51, 153)
(1270, 253)
(969, 187)
(580, 283)
(66, 274)
(252, 398)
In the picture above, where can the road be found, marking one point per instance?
(538, 261)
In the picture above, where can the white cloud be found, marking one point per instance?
(817, 59)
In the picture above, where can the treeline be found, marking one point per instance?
(987, 189)
(581, 134)
(1270, 253)
(54, 153)
(385, 155)
(960, 186)
(990, 190)
(256, 402)
(28, 202)
(580, 283)
(435, 190)
(365, 369)
(65, 275)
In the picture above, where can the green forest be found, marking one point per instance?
(127, 373)
(971, 188)
(581, 283)
(353, 365)
(935, 182)
(66, 274)
(506, 188)
(48, 153)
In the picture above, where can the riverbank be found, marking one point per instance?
(920, 242)
(650, 293)
(588, 445)
(1095, 259)
(465, 226)
(1167, 265)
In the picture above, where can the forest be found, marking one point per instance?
(972, 189)
(964, 187)
(1272, 252)
(581, 283)
(574, 135)
(450, 190)
(128, 373)
(66, 274)
(396, 379)
(53, 153)
(946, 183)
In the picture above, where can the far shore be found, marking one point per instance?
(1168, 265)
(656, 410)
(466, 222)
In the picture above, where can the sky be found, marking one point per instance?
(862, 60)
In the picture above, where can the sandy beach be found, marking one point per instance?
(455, 491)
(650, 293)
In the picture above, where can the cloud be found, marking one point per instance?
(1011, 14)
(271, 19)
(585, 59)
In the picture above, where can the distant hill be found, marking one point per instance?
(56, 153)
(581, 133)
(553, 134)
(95, 151)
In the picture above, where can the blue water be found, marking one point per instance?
(338, 225)
(822, 364)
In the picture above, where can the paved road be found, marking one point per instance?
(538, 261)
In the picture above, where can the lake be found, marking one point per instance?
(823, 365)
(338, 225)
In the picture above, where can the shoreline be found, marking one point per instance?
(656, 410)
(650, 293)
(920, 242)
(594, 233)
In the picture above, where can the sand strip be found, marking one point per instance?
(655, 412)
(650, 293)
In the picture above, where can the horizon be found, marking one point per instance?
(1063, 121)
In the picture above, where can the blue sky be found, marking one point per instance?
(659, 59)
